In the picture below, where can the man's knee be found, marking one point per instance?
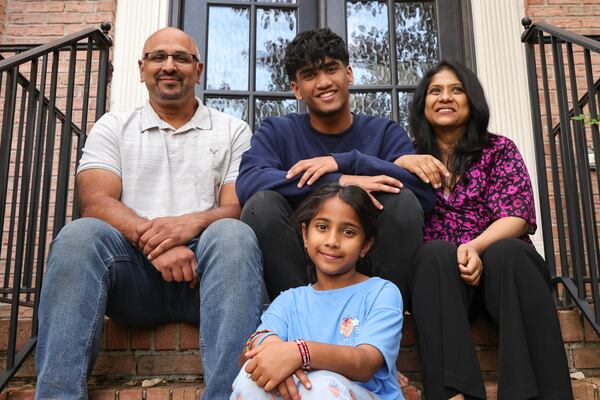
(232, 245)
(83, 238)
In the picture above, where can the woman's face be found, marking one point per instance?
(446, 104)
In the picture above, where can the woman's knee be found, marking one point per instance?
(434, 257)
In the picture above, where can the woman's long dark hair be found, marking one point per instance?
(476, 136)
(356, 198)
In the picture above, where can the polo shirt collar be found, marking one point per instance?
(200, 120)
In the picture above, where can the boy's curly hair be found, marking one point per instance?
(311, 48)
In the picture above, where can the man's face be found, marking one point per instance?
(324, 88)
(168, 79)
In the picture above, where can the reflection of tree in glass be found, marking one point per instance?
(416, 40)
(368, 42)
(236, 107)
(379, 104)
(282, 24)
(267, 107)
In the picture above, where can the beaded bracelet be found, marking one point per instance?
(252, 337)
(304, 354)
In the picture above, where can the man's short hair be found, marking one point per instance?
(311, 48)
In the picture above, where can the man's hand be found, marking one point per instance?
(272, 363)
(161, 234)
(177, 264)
(427, 167)
(469, 264)
(313, 169)
(380, 183)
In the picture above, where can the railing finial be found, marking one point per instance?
(526, 22)
(105, 26)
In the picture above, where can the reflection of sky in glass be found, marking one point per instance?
(278, 1)
(227, 54)
(416, 40)
(274, 30)
(268, 107)
(368, 42)
(236, 107)
(372, 103)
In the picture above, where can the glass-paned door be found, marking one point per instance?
(242, 43)
(391, 44)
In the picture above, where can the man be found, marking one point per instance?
(158, 241)
(292, 155)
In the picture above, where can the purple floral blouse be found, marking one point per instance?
(495, 187)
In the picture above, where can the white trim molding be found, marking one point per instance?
(502, 69)
(135, 21)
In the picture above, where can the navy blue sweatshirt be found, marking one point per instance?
(369, 148)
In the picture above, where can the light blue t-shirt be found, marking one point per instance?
(369, 312)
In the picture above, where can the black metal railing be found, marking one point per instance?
(564, 71)
(49, 94)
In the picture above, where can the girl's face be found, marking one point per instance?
(446, 104)
(335, 239)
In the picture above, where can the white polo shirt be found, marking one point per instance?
(166, 171)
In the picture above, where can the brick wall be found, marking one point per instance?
(2, 17)
(579, 16)
(42, 21)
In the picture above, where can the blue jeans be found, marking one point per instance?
(93, 270)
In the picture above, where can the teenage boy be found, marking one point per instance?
(291, 155)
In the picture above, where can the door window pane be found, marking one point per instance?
(372, 103)
(368, 41)
(275, 28)
(227, 52)
(268, 107)
(416, 40)
(238, 107)
(404, 100)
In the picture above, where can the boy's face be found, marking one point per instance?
(324, 87)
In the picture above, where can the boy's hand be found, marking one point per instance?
(313, 169)
(271, 364)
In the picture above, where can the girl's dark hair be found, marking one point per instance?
(311, 48)
(476, 136)
(352, 195)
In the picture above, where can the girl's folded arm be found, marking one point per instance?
(356, 363)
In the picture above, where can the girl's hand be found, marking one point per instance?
(273, 363)
(288, 390)
(425, 166)
(469, 264)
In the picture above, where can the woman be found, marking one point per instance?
(477, 254)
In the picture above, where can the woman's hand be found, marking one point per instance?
(469, 264)
(425, 166)
(272, 363)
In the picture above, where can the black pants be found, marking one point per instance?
(515, 290)
(399, 235)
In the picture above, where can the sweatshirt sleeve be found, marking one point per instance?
(396, 143)
(262, 167)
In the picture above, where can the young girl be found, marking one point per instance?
(339, 337)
